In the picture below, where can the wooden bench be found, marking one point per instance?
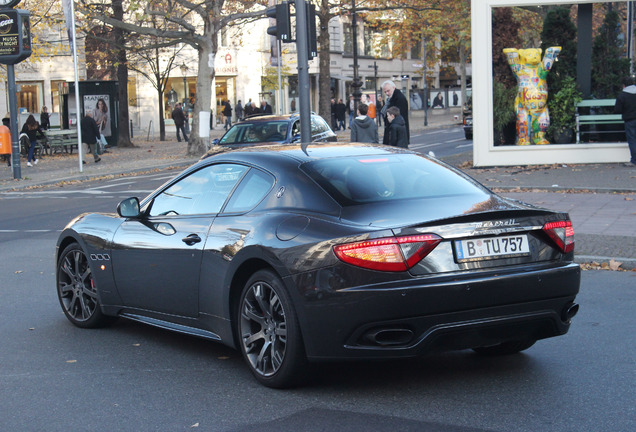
(597, 119)
(61, 141)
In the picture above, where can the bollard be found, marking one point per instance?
(131, 130)
(5, 140)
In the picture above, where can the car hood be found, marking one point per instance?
(394, 214)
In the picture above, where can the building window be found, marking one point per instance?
(347, 37)
(375, 43)
(58, 89)
(29, 96)
(416, 50)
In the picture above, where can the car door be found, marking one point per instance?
(157, 258)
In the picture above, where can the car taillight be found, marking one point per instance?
(562, 233)
(388, 254)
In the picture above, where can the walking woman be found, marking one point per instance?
(32, 128)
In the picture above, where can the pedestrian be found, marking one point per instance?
(626, 106)
(396, 98)
(334, 122)
(45, 122)
(363, 128)
(249, 108)
(378, 108)
(397, 128)
(350, 109)
(179, 121)
(90, 134)
(32, 129)
(266, 108)
(341, 115)
(239, 110)
(227, 114)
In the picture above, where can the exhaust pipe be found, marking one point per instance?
(569, 311)
(389, 336)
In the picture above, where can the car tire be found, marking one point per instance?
(269, 334)
(505, 348)
(76, 289)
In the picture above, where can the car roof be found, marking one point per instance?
(304, 152)
(257, 118)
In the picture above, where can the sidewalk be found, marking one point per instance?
(601, 198)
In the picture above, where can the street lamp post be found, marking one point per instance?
(375, 88)
(356, 79)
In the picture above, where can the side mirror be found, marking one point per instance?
(129, 208)
(215, 141)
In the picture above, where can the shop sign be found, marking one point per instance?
(15, 36)
(225, 63)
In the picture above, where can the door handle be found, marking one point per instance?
(191, 239)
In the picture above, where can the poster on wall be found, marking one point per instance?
(98, 105)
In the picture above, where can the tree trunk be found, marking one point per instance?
(324, 79)
(201, 117)
(123, 136)
(462, 69)
(162, 122)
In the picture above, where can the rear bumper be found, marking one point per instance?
(416, 318)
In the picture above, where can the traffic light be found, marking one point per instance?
(312, 44)
(282, 29)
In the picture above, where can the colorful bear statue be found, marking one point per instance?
(531, 105)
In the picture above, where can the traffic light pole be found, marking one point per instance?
(303, 70)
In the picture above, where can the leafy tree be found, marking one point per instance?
(559, 30)
(609, 66)
(505, 34)
(194, 24)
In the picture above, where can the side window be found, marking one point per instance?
(250, 192)
(296, 129)
(201, 192)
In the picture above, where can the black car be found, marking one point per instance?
(303, 253)
(279, 129)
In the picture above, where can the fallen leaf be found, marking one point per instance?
(136, 345)
(614, 265)
(71, 361)
(196, 425)
(19, 271)
(224, 358)
(31, 328)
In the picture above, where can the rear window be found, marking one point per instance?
(361, 180)
(264, 131)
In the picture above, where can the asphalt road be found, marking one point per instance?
(131, 377)
(443, 142)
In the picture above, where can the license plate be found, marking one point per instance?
(492, 248)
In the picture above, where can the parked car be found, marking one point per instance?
(301, 253)
(279, 129)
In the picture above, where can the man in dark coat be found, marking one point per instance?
(626, 106)
(341, 114)
(90, 134)
(265, 108)
(179, 121)
(396, 98)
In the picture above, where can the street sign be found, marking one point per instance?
(15, 36)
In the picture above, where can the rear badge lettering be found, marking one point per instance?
(280, 192)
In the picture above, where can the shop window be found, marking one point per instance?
(29, 96)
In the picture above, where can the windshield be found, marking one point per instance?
(265, 131)
(360, 180)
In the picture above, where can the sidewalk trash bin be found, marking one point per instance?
(5, 140)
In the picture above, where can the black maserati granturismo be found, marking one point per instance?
(301, 253)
